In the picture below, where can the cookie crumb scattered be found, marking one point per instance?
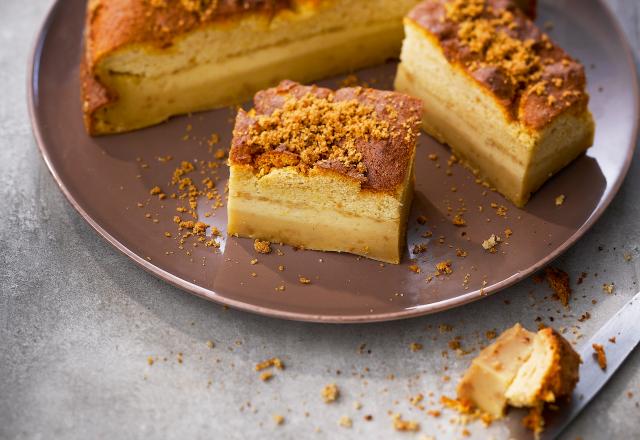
(559, 282)
(273, 362)
(608, 288)
(278, 419)
(444, 268)
(560, 200)
(330, 393)
(262, 246)
(404, 425)
(490, 243)
(415, 346)
(458, 220)
(345, 422)
(600, 355)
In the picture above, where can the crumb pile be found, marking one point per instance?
(192, 183)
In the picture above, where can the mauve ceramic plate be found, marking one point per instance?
(104, 181)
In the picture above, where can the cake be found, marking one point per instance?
(146, 60)
(325, 170)
(509, 102)
(520, 369)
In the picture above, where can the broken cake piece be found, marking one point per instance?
(520, 369)
(325, 170)
(508, 101)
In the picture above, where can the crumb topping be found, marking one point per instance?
(315, 129)
(499, 47)
(364, 134)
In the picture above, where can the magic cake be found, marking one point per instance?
(325, 170)
(508, 100)
(521, 369)
(146, 60)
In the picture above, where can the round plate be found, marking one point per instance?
(105, 178)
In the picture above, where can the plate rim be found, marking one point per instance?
(33, 66)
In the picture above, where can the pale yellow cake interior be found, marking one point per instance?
(322, 211)
(485, 383)
(459, 112)
(226, 63)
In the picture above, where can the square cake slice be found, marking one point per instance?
(521, 369)
(325, 170)
(507, 100)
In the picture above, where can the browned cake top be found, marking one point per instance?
(113, 24)
(366, 134)
(495, 42)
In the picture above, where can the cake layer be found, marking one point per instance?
(512, 156)
(186, 56)
(323, 230)
(322, 211)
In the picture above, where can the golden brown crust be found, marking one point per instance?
(113, 24)
(386, 160)
(497, 45)
(563, 376)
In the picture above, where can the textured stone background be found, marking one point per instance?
(78, 321)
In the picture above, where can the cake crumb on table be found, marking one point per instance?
(560, 200)
(330, 393)
(404, 425)
(415, 346)
(600, 355)
(273, 362)
(559, 282)
(345, 422)
(608, 288)
(278, 419)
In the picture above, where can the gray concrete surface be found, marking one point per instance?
(78, 322)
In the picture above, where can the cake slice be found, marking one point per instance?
(325, 170)
(506, 99)
(146, 60)
(521, 369)
(487, 380)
